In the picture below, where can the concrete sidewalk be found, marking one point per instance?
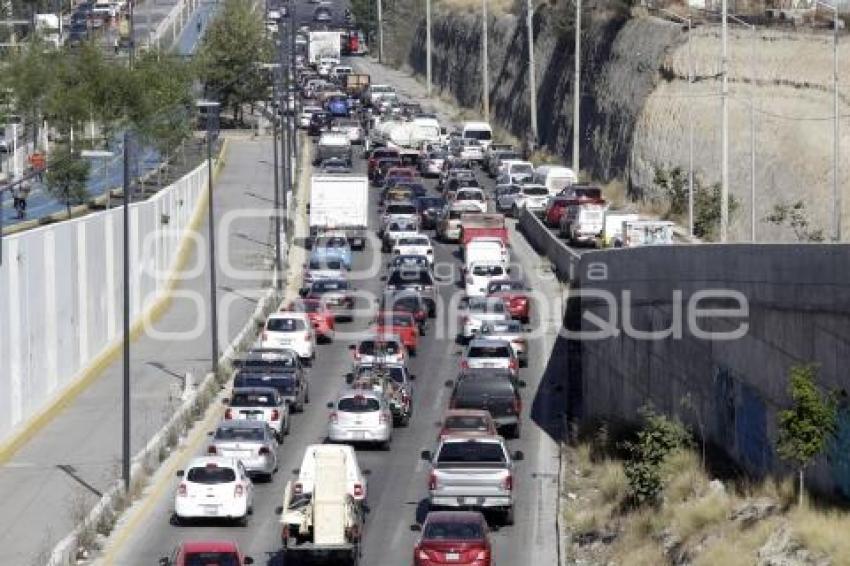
(58, 475)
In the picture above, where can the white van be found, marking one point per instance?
(485, 249)
(355, 478)
(554, 177)
(480, 131)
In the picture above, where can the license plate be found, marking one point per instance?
(210, 510)
(359, 435)
(471, 500)
(251, 416)
(489, 365)
(452, 556)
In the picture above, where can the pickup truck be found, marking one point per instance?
(472, 473)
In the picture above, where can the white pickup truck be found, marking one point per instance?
(472, 473)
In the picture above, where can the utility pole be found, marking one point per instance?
(428, 43)
(532, 80)
(125, 406)
(380, 33)
(277, 254)
(577, 92)
(724, 125)
(132, 33)
(753, 41)
(485, 66)
(836, 140)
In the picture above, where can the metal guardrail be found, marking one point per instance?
(174, 21)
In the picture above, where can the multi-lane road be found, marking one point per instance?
(398, 480)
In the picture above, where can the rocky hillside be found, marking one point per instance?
(636, 107)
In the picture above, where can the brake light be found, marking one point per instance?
(513, 364)
(239, 491)
(358, 490)
(264, 450)
(228, 414)
(275, 415)
(482, 555)
(181, 490)
(334, 418)
(517, 406)
(464, 364)
(432, 481)
(422, 555)
(383, 418)
(517, 341)
(212, 450)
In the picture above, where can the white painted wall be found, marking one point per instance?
(61, 292)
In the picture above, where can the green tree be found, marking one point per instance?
(807, 426)
(67, 174)
(658, 438)
(794, 215)
(227, 61)
(673, 184)
(30, 77)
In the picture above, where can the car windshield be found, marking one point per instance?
(285, 325)
(285, 383)
(488, 270)
(522, 168)
(510, 327)
(358, 404)
(242, 434)
(410, 277)
(253, 400)
(211, 475)
(489, 352)
(210, 559)
(407, 303)
(387, 348)
(395, 320)
(326, 285)
(383, 153)
(471, 451)
(453, 530)
(486, 306)
(432, 202)
(417, 260)
(335, 242)
(469, 195)
(466, 422)
(413, 241)
(401, 227)
(504, 286)
(478, 134)
(401, 209)
(535, 191)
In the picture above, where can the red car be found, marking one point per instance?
(453, 537)
(401, 323)
(554, 211)
(515, 295)
(379, 154)
(570, 195)
(402, 173)
(206, 553)
(467, 422)
(321, 317)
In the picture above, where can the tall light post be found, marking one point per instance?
(211, 113)
(485, 64)
(753, 39)
(577, 91)
(689, 22)
(724, 124)
(380, 32)
(532, 80)
(428, 43)
(836, 141)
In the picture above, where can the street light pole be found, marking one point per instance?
(277, 257)
(532, 80)
(485, 67)
(380, 33)
(724, 126)
(753, 39)
(211, 111)
(125, 428)
(577, 91)
(428, 43)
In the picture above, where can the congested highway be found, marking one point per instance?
(398, 478)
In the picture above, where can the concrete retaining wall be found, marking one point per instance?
(61, 292)
(797, 303)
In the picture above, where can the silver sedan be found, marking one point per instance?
(252, 442)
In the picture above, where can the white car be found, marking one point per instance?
(388, 349)
(471, 150)
(475, 311)
(431, 164)
(534, 198)
(306, 114)
(252, 442)
(214, 487)
(489, 353)
(512, 332)
(291, 330)
(260, 404)
(419, 245)
(395, 230)
(472, 196)
(517, 169)
(357, 486)
(400, 212)
(360, 416)
(480, 273)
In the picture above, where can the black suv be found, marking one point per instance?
(494, 390)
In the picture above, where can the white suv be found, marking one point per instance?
(291, 330)
(214, 487)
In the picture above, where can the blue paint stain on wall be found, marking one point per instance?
(839, 453)
(753, 445)
(724, 400)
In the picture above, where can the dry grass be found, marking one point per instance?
(737, 548)
(823, 532)
(542, 157)
(685, 477)
(695, 516)
(495, 8)
(613, 486)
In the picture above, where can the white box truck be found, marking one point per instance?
(340, 203)
(322, 44)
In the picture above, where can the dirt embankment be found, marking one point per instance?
(636, 108)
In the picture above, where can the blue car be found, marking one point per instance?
(332, 247)
(338, 106)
